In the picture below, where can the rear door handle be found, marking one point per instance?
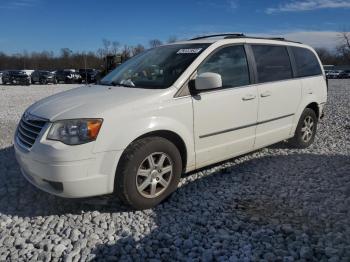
(248, 97)
(265, 94)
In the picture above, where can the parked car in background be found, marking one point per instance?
(334, 74)
(15, 77)
(43, 77)
(29, 72)
(344, 74)
(173, 109)
(89, 75)
(68, 76)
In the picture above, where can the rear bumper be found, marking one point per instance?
(70, 179)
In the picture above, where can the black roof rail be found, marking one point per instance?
(216, 35)
(240, 35)
(266, 38)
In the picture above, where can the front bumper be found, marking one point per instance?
(86, 177)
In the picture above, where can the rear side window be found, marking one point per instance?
(306, 62)
(231, 63)
(272, 63)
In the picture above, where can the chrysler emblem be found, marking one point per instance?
(29, 117)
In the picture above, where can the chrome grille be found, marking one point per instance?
(28, 130)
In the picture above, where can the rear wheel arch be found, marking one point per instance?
(314, 107)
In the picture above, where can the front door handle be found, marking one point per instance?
(248, 97)
(265, 94)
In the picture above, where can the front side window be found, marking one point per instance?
(231, 63)
(156, 68)
(306, 62)
(272, 63)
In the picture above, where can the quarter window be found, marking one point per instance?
(272, 63)
(306, 62)
(231, 63)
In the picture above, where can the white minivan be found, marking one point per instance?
(170, 110)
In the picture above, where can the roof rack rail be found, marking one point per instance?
(226, 35)
(241, 35)
(272, 38)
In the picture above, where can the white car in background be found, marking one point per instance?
(170, 110)
(28, 72)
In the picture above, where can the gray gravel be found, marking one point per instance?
(276, 204)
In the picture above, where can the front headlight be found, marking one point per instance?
(75, 131)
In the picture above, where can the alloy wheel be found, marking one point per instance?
(154, 175)
(307, 129)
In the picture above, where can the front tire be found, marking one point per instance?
(149, 171)
(306, 129)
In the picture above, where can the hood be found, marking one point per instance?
(92, 101)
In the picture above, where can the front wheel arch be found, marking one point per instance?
(124, 186)
(172, 137)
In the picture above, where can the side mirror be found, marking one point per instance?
(205, 81)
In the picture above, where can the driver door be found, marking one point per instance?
(225, 118)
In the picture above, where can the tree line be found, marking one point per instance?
(339, 56)
(67, 59)
(47, 60)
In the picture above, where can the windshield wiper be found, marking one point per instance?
(124, 83)
(105, 84)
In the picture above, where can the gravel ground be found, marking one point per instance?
(276, 204)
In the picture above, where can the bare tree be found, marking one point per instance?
(327, 57)
(154, 43)
(66, 52)
(106, 45)
(115, 47)
(343, 48)
(345, 39)
(126, 53)
(100, 53)
(172, 39)
(137, 49)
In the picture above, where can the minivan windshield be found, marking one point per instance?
(156, 68)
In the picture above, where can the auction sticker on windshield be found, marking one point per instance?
(189, 51)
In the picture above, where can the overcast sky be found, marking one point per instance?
(36, 25)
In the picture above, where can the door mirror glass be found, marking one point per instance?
(208, 81)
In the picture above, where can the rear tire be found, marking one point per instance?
(148, 172)
(306, 130)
